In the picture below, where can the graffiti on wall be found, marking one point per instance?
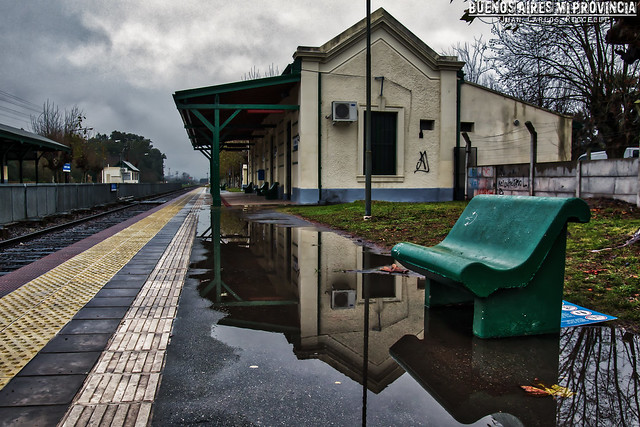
(512, 184)
(423, 163)
(481, 172)
(481, 180)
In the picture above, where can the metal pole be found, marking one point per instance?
(467, 160)
(367, 130)
(532, 160)
(214, 164)
(367, 215)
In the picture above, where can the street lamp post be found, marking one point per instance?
(367, 130)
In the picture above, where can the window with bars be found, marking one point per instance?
(384, 141)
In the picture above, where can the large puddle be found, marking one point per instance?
(307, 347)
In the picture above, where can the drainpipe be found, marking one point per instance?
(456, 167)
(467, 160)
(319, 137)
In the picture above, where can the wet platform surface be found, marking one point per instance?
(242, 316)
(111, 296)
(279, 321)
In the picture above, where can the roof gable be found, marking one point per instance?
(358, 32)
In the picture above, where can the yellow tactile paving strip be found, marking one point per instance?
(121, 388)
(31, 315)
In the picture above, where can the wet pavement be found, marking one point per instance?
(274, 328)
(280, 322)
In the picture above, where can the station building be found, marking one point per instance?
(124, 172)
(305, 128)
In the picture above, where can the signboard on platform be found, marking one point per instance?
(66, 167)
(574, 315)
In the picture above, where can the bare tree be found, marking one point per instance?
(478, 62)
(49, 123)
(254, 73)
(569, 68)
(63, 127)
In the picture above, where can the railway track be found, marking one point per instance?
(27, 248)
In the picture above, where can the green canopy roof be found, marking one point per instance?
(18, 143)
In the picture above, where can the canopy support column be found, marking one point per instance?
(214, 163)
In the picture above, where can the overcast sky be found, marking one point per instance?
(121, 60)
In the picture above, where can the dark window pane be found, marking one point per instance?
(383, 142)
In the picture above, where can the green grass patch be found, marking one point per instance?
(606, 281)
(422, 223)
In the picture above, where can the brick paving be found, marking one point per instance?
(121, 388)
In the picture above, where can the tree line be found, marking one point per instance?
(90, 154)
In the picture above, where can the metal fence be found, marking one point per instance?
(19, 202)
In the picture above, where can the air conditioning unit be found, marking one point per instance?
(343, 299)
(344, 111)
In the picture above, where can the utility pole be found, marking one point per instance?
(367, 128)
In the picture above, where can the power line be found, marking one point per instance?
(17, 101)
(17, 109)
(25, 121)
(15, 112)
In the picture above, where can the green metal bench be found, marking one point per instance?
(272, 192)
(506, 255)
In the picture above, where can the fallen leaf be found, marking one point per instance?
(393, 268)
(534, 391)
(540, 390)
(559, 391)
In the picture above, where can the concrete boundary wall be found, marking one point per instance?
(19, 202)
(615, 178)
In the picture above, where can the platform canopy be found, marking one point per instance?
(240, 109)
(18, 144)
(232, 116)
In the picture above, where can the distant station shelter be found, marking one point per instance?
(124, 172)
(305, 128)
(18, 145)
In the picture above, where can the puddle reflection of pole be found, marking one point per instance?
(215, 239)
(365, 357)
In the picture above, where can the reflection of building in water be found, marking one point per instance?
(308, 285)
(324, 273)
(332, 329)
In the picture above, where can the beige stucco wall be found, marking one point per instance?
(410, 88)
(499, 140)
(307, 153)
(418, 85)
(111, 174)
